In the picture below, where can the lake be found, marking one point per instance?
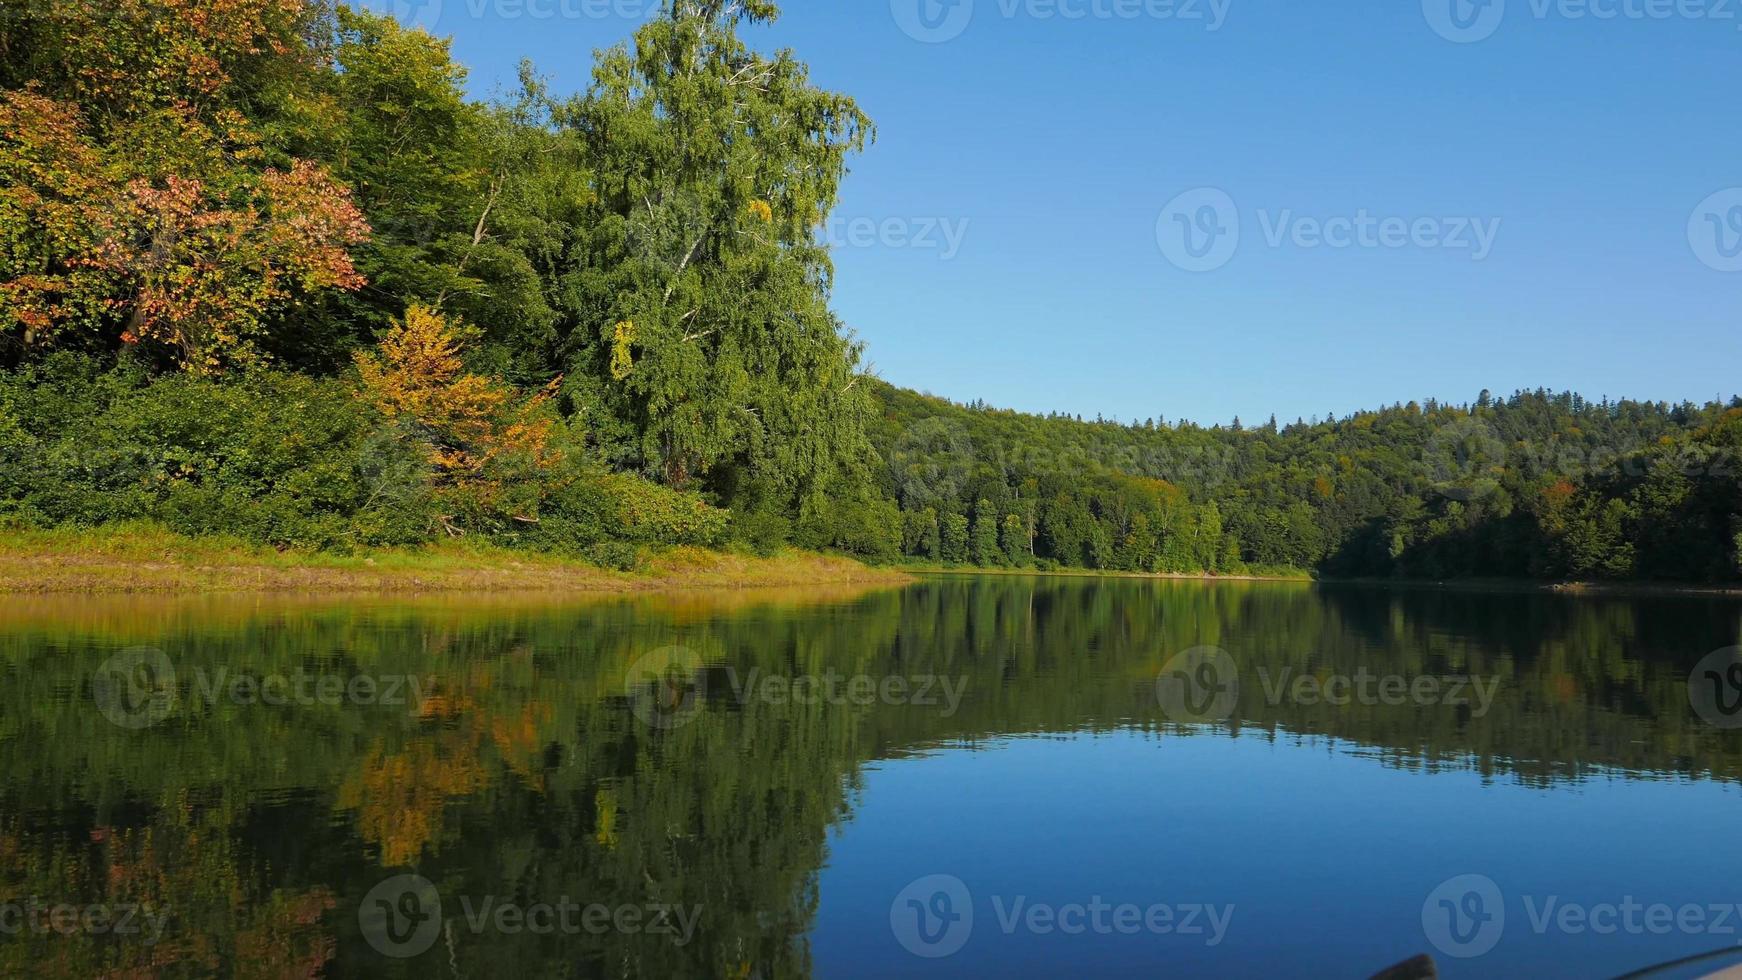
(999, 776)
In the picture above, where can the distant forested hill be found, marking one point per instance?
(1539, 485)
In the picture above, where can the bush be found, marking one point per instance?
(761, 530)
(294, 461)
(615, 554)
(276, 458)
(851, 518)
(596, 507)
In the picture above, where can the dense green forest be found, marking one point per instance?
(267, 270)
(1537, 485)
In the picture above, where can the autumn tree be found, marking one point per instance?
(487, 447)
(140, 202)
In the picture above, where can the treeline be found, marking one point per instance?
(1538, 485)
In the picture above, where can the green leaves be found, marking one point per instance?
(712, 163)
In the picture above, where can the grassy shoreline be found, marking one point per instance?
(140, 559)
(145, 560)
(1304, 577)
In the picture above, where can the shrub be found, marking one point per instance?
(597, 507)
(294, 461)
(271, 457)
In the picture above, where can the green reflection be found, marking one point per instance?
(519, 764)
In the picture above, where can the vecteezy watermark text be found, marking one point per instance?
(402, 916)
(1466, 916)
(937, 21)
(1469, 21)
(35, 917)
(1366, 688)
(1203, 684)
(933, 917)
(431, 14)
(141, 686)
(667, 687)
(941, 235)
(1200, 230)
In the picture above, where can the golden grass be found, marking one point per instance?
(144, 559)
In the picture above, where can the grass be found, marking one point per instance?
(141, 558)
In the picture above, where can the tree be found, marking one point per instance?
(139, 203)
(715, 163)
(486, 446)
(1013, 535)
(955, 537)
(983, 548)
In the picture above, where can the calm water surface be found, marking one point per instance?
(963, 777)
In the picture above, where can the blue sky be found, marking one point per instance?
(1525, 193)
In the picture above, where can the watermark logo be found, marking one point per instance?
(135, 688)
(933, 916)
(1200, 685)
(1461, 456)
(138, 688)
(1715, 230)
(1464, 916)
(932, 461)
(1715, 688)
(1199, 231)
(402, 916)
(1469, 21)
(1464, 21)
(664, 687)
(932, 21)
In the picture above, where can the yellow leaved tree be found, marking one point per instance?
(487, 444)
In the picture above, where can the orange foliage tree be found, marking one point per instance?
(137, 207)
(486, 444)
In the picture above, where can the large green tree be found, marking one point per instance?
(703, 333)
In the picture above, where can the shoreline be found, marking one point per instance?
(149, 561)
(1306, 578)
(132, 562)
(1301, 578)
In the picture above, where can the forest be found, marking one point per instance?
(267, 270)
(1538, 485)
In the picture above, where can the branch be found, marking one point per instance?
(477, 233)
(681, 266)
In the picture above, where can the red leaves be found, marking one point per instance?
(312, 219)
(194, 258)
(131, 54)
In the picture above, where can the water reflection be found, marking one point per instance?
(572, 807)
